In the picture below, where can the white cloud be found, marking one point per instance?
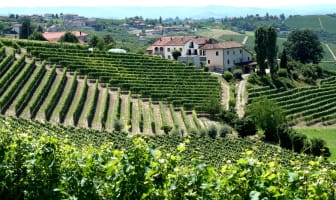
(238, 3)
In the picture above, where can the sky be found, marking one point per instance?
(98, 3)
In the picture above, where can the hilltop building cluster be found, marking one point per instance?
(202, 51)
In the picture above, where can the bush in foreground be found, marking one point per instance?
(48, 168)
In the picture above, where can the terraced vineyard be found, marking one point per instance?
(44, 91)
(312, 105)
(149, 76)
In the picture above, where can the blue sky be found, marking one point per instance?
(236, 3)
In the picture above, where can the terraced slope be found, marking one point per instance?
(151, 77)
(35, 90)
(311, 105)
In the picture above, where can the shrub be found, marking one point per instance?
(318, 147)
(227, 76)
(118, 126)
(282, 72)
(212, 131)
(202, 132)
(237, 74)
(284, 134)
(298, 142)
(245, 127)
(166, 129)
(224, 130)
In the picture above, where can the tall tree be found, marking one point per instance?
(271, 51)
(304, 46)
(26, 29)
(93, 41)
(36, 36)
(260, 49)
(283, 59)
(69, 37)
(268, 116)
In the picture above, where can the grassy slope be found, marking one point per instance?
(328, 134)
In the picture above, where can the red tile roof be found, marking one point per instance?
(55, 36)
(224, 45)
(180, 41)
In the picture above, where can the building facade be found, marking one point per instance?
(187, 46)
(226, 56)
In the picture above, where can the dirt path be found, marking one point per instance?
(245, 40)
(321, 23)
(110, 112)
(169, 118)
(124, 112)
(135, 116)
(331, 52)
(225, 95)
(158, 118)
(241, 98)
(96, 122)
(181, 122)
(147, 122)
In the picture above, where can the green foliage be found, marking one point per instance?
(260, 47)
(82, 98)
(176, 54)
(282, 73)
(46, 167)
(92, 105)
(36, 36)
(55, 96)
(166, 128)
(267, 115)
(28, 93)
(35, 106)
(266, 49)
(212, 131)
(69, 37)
(304, 46)
(105, 108)
(8, 96)
(283, 59)
(237, 74)
(318, 147)
(227, 76)
(26, 28)
(118, 125)
(224, 130)
(68, 99)
(245, 127)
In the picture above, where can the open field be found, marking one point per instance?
(327, 134)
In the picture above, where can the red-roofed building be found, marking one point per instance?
(227, 56)
(187, 45)
(56, 36)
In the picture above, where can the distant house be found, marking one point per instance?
(55, 36)
(227, 56)
(16, 28)
(187, 45)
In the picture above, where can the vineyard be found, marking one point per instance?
(312, 105)
(73, 86)
(44, 161)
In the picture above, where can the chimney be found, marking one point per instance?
(80, 32)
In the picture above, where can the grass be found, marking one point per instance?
(327, 134)
(301, 22)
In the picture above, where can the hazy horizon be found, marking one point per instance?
(155, 3)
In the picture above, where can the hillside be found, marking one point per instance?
(309, 105)
(40, 90)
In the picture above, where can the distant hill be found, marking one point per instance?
(166, 12)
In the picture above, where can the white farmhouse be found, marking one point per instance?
(227, 56)
(187, 45)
